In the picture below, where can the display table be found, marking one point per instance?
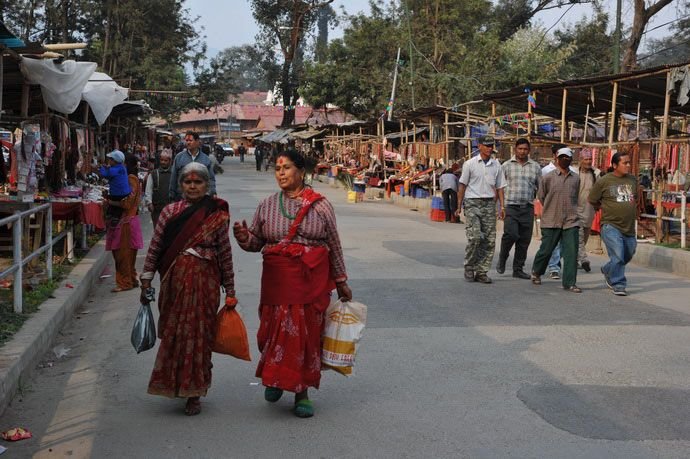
(84, 212)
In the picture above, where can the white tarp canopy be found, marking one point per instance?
(62, 83)
(102, 94)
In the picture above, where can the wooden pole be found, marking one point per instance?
(563, 107)
(529, 120)
(584, 135)
(493, 118)
(445, 132)
(468, 130)
(24, 108)
(637, 128)
(612, 124)
(2, 76)
(662, 151)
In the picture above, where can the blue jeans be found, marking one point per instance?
(555, 260)
(621, 249)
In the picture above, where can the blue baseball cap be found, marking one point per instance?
(117, 156)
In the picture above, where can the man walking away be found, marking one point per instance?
(584, 209)
(157, 189)
(258, 157)
(559, 221)
(242, 151)
(190, 154)
(449, 187)
(480, 183)
(617, 195)
(522, 178)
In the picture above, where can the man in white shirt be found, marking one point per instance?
(481, 182)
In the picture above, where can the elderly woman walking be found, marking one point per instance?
(302, 262)
(191, 251)
(125, 238)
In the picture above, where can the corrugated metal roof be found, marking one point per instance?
(646, 87)
(277, 136)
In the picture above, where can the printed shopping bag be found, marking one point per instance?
(144, 330)
(344, 326)
(231, 334)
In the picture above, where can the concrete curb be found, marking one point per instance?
(19, 357)
(676, 261)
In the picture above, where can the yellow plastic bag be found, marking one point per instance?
(345, 323)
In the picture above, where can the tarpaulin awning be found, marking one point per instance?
(9, 39)
(130, 108)
(308, 134)
(102, 94)
(61, 84)
(277, 136)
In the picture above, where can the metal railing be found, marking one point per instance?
(659, 195)
(18, 261)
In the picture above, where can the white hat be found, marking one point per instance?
(565, 151)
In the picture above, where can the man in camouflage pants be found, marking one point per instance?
(481, 182)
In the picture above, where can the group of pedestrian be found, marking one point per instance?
(568, 199)
(295, 230)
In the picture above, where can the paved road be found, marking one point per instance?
(446, 369)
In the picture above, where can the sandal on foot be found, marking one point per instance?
(193, 406)
(574, 289)
(272, 394)
(304, 408)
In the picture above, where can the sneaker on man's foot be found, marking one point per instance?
(555, 275)
(620, 292)
(606, 278)
(520, 274)
(586, 266)
(469, 275)
(482, 278)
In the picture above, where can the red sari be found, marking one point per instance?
(295, 291)
(189, 297)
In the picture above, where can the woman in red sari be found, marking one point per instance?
(191, 251)
(303, 261)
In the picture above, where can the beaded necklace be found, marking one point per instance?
(283, 211)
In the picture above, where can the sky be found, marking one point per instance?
(230, 22)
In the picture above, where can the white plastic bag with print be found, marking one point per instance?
(344, 326)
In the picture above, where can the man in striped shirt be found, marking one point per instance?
(560, 223)
(522, 176)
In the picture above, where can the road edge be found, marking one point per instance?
(20, 355)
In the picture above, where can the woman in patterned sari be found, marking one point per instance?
(302, 262)
(191, 251)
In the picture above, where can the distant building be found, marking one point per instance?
(250, 112)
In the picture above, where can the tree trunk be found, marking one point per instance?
(285, 87)
(106, 39)
(640, 20)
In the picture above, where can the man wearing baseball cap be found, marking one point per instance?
(481, 182)
(558, 192)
